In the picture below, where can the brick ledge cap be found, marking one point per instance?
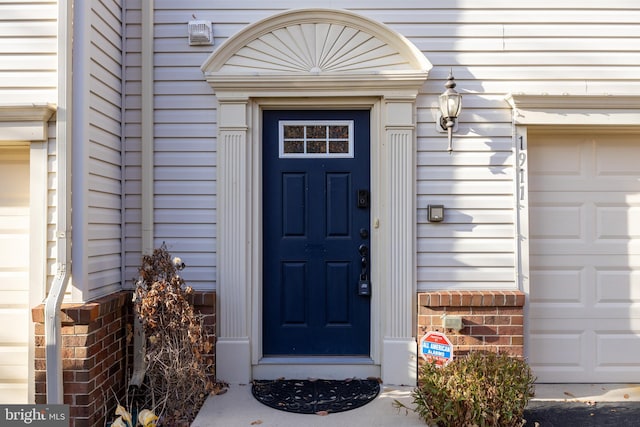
(489, 298)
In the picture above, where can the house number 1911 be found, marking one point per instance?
(522, 160)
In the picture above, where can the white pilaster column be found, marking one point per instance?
(233, 363)
(399, 361)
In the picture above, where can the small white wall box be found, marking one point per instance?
(200, 33)
(435, 213)
(452, 322)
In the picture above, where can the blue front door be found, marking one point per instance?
(316, 232)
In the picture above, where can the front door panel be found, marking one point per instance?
(315, 164)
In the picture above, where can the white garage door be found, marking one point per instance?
(584, 218)
(14, 277)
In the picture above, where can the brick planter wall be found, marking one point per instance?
(94, 352)
(492, 320)
(205, 303)
(97, 357)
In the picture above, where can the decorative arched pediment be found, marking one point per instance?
(315, 45)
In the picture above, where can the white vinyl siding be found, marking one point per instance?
(102, 187)
(185, 147)
(28, 45)
(494, 48)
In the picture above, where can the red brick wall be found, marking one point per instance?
(94, 352)
(492, 320)
(97, 357)
(205, 303)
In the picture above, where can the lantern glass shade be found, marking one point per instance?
(450, 104)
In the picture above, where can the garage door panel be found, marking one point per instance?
(560, 286)
(558, 355)
(618, 222)
(614, 285)
(619, 287)
(13, 369)
(19, 330)
(14, 220)
(546, 347)
(14, 298)
(617, 349)
(12, 393)
(618, 157)
(560, 222)
(12, 250)
(584, 285)
(554, 158)
(12, 280)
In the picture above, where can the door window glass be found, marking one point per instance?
(305, 139)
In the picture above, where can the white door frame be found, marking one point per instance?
(317, 367)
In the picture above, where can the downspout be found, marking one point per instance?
(147, 126)
(146, 168)
(123, 143)
(53, 303)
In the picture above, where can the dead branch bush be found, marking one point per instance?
(176, 377)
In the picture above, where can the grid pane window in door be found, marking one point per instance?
(308, 139)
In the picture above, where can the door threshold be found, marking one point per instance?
(330, 368)
(316, 360)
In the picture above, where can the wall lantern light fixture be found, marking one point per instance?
(450, 107)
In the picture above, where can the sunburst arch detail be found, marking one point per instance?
(316, 42)
(315, 48)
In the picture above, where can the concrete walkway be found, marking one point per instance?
(238, 408)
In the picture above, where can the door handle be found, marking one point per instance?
(364, 250)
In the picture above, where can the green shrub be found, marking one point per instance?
(480, 389)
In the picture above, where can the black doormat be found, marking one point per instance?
(315, 396)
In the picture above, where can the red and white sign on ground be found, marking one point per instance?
(436, 348)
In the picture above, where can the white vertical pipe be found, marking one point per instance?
(123, 151)
(53, 339)
(146, 167)
(147, 126)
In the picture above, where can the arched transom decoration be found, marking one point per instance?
(316, 48)
(316, 44)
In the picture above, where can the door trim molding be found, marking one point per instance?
(389, 91)
(264, 368)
